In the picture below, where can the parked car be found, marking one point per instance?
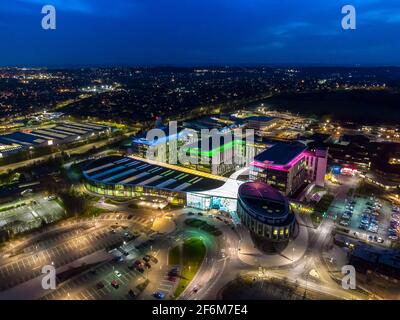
(158, 295)
(153, 259)
(115, 284)
(117, 273)
(132, 293)
(99, 285)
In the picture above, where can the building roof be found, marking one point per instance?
(164, 138)
(264, 202)
(207, 146)
(117, 170)
(281, 153)
(59, 132)
(259, 118)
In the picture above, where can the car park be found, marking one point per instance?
(99, 285)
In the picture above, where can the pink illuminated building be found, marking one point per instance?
(289, 167)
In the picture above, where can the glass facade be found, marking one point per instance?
(131, 191)
(264, 230)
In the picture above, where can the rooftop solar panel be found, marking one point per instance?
(120, 175)
(101, 174)
(131, 179)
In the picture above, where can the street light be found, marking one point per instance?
(293, 255)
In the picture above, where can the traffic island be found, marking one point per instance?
(191, 257)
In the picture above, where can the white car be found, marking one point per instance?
(117, 273)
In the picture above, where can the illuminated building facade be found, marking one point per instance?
(265, 212)
(219, 156)
(288, 167)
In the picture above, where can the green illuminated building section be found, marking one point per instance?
(211, 153)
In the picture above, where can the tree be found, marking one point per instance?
(74, 204)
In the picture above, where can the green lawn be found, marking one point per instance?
(321, 208)
(200, 224)
(60, 202)
(193, 252)
(94, 211)
(316, 218)
(174, 256)
(6, 208)
(91, 197)
(366, 189)
(133, 206)
(115, 201)
(324, 204)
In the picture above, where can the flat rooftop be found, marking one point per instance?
(265, 201)
(281, 153)
(259, 118)
(142, 138)
(59, 132)
(131, 172)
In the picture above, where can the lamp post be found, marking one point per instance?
(293, 254)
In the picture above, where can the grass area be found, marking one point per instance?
(366, 189)
(323, 205)
(193, 252)
(200, 224)
(133, 206)
(94, 211)
(60, 202)
(172, 206)
(174, 256)
(91, 197)
(18, 205)
(316, 218)
(115, 201)
(350, 193)
(321, 208)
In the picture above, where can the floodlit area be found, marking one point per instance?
(31, 209)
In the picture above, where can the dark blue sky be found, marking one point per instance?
(199, 32)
